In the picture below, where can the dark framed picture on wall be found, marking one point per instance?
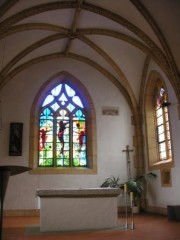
(15, 139)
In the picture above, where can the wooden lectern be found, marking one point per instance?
(5, 173)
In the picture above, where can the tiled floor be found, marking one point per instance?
(147, 227)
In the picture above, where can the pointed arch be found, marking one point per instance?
(158, 142)
(58, 151)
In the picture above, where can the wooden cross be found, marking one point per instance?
(127, 151)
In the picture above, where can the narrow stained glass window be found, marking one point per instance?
(62, 129)
(162, 124)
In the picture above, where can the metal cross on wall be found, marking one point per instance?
(127, 150)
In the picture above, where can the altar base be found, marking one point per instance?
(78, 209)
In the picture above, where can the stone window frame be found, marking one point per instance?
(91, 128)
(150, 125)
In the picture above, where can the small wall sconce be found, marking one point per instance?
(165, 104)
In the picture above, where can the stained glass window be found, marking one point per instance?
(162, 124)
(62, 129)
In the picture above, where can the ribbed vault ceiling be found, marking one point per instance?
(117, 37)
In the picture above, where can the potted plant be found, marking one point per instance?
(111, 182)
(138, 185)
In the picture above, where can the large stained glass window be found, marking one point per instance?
(62, 129)
(162, 124)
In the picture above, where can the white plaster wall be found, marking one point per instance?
(162, 196)
(113, 132)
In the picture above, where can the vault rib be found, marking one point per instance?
(72, 33)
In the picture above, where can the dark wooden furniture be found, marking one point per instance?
(173, 212)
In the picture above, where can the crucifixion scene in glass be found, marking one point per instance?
(62, 129)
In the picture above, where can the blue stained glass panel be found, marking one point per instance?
(70, 107)
(63, 99)
(70, 91)
(77, 101)
(48, 100)
(62, 146)
(55, 106)
(46, 114)
(56, 91)
(79, 114)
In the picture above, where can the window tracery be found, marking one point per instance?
(62, 129)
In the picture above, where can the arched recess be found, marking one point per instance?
(91, 127)
(150, 123)
(125, 90)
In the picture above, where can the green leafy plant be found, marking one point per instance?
(111, 182)
(138, 185)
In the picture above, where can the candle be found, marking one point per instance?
(131, 196)
(125, 188)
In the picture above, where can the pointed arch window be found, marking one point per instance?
(162, 123)
(158, 129)
(62, 129)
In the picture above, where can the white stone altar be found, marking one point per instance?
(78, 209)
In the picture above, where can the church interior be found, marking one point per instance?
(90, 95)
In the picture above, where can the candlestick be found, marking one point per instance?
(132, 227)
(131, 196)
(126, 210)
(125, 188)
(132, 213)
